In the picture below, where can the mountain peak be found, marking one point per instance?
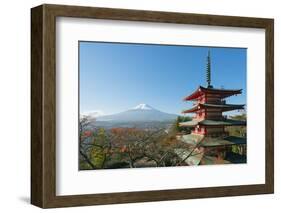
(143, 107)
(139, 113)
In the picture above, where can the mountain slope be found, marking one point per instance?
(140, 113)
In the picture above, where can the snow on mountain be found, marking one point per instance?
(143, 107)
(140, 113)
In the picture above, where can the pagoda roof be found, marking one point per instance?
(191, 139)
(230, 140)
(191, 123)
(225, 122)
(223, 107)
(212, 141)
(191, 156)
(194, 155)
(210, 90)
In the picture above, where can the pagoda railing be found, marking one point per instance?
(202, 117)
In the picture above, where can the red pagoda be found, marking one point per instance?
(209, 140)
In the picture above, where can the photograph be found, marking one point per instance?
(145, 105)
(155, 105)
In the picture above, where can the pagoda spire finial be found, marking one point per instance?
(208, 70)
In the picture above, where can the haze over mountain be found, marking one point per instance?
(139, 113)
(93, 114)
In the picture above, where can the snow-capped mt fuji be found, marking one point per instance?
(139, 113)
(143, 107)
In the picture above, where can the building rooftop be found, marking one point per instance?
(225, 122)
(210, 90)
(200, 140)
(230, 140)
(192, 159)
(222, 107)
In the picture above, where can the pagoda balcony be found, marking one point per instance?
(212, 123)
(221, 107)
(218, 134)
(216, 118)
(217, 102)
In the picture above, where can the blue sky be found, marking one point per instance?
(117, 76)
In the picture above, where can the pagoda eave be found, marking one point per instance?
(226, 141)
(189, 123)
(225, 122)
(214, 123)
(221, 107)
(203, 90)
(199, 140)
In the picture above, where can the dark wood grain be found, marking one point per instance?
(36, 106)
(269, 105)
(43, 105)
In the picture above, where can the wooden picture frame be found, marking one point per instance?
(43, 105)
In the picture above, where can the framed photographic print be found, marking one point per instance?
(136, 106)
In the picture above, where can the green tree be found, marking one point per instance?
(180, 119)
(100, 144)
(239, 131)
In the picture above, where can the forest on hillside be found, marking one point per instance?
(131, 147)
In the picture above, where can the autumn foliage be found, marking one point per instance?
(127, 148)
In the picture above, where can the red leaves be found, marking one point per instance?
(124, 131)
(87, 133)
(123, 149)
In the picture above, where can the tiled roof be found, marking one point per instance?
(201, 90)
(223, 107)
(194, 139)
(225, 122)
